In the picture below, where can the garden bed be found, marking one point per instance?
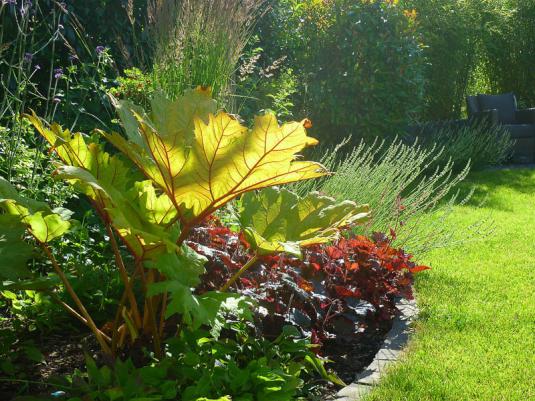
(63, 354)
(232, 287)
(358, 360)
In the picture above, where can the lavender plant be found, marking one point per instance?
(410, 195)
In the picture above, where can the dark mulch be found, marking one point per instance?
(350, 356)
(62, 355)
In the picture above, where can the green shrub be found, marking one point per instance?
(450, 31)
(509, 49)
(26, 165)
(135, 86)
(84, 252)
(474, 47)
(358, 63)
(178, 165)
(408, 197)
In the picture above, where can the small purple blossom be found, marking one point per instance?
(100, 49)
(58, 73)
(28, 57)
(56, 100)
(73, 58)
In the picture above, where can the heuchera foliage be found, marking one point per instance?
(334, 290)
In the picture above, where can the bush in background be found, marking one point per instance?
(474, 47)
(509, 49)
(450, 31)
(358, 63)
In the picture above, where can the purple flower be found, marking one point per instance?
(28, 57)
(100, 49)
(56, 100)
(58, 73)
(73, 58)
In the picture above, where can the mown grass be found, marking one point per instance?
(475, 337)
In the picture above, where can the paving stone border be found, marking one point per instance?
(393, 345)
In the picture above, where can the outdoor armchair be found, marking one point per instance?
(503, 110)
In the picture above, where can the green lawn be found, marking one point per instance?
(475, 338)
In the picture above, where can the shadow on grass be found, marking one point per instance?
(487, 184)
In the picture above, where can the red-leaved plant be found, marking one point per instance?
(335, 289)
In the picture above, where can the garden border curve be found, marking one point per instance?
(393, 345)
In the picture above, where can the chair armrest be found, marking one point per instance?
(526, 116)
(491, 116)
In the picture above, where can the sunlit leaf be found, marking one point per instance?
(201, 160)
(14, 252)
(418, 269)
(278, 220)
(45, 228)
(41, 221)
(119, 204)
(111, 183)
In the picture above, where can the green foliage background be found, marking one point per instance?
(475, 47)
(371, 67)
(358, 64)
(355, 67)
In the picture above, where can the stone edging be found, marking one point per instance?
(393, 345)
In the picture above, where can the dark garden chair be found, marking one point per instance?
(502, 109)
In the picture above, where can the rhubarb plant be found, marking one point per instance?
(175, 166)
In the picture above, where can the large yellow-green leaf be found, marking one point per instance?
(201, 160)
(133, 207)
(41, 221)
(158, 209)
(277, 220)
(128, 209)
(45, 228)
(14, 252)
